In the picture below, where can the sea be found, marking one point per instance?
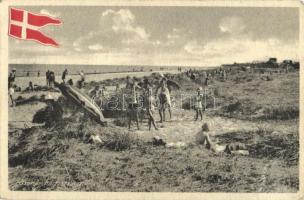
(31, 70)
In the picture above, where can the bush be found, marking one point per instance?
(122, 121)
(281, 113)
(119, 141)
(217, 92)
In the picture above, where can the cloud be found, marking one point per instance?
(95, 47)
(49, 13)
(32, 49)
(242, 49)
(232, 25)
(193, 47)
(237, 45)
(117, 30)
(175, 34)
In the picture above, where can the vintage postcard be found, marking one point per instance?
(151, 99)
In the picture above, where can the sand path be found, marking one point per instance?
(183, 128)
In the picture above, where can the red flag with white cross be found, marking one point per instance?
(25, 25)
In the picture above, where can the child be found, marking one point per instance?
(202, 137)
(199, 104)
(150, 107)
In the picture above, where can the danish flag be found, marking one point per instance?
(25, 25)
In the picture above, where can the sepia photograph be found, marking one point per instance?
(187, 99)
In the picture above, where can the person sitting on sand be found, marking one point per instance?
(97, 95)
(199, 104)
(54, 112)
(202, 138)
(70, 82)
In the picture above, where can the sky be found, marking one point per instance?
(177, 36)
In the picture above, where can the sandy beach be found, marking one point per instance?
(239, 116)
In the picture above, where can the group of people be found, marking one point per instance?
(161, 99)
(208, 76)
(50, 78)
(148, 100)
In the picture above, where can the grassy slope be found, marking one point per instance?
(70, 164)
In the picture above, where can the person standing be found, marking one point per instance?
(82, 78)
(11, 90)
(164, 99)
(38, 73)
(11, 78)
(47, 76)
(199, 104)
(150, 108)
(51, 79)
(133, 108)
(64, 74)
(117, 87)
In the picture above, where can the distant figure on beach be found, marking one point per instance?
(11, 92)
(12, 77)
(129, 83)
(207, 81)
(47, 76)
(82, 79)
(64, 74)
(31, 87)
(70, 82)
(199, 104)
(28, 73)
(51, 79)
(38, 73)
(11, 81)
(117, 87)
(82, 75)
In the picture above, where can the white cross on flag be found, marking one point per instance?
(25, 25)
